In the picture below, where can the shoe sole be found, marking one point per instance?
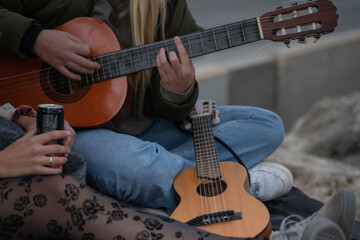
(323, 229)
(348, 206)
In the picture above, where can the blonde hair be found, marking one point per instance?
(148, 18)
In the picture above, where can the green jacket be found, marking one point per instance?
(17, 15)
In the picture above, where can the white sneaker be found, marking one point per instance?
(294, 227)
(269, 180)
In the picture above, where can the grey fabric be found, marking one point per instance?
(10, 132)
(297, 202)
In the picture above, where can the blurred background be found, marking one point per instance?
(261, 84)
(314, 87)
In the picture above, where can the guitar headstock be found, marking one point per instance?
(203, 108)
(299, 21)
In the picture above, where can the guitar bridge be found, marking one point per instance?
(213, 218)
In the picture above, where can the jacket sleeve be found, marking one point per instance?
(181, 23)
(17, 16)
(7, 111)
(13, 27)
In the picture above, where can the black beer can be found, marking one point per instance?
(50, 117)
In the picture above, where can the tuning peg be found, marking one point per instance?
(187, 124)
(302, 40)
(316, 37)
(278, 8)
(216, 119)
(287, 42)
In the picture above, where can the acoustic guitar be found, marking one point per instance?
(101, 96)
(215, 195)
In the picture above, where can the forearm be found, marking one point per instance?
(176, 97)
(24, 115)
(16, 16)
(170, 110)
(13, 28)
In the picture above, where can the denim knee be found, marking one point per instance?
(276, 131)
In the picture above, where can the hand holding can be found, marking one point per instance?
(51, 117)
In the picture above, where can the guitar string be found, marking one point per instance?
(217, 28)
(166, 42)
(209, 207)
(208, 171)
(206, 132)
(21, 80)
(262, 18)
(215, 165)
(135, 63)
(202, 188)
(22, 84)
(215, 190)
(195, 34)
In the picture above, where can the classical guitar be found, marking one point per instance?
(99, 97)
(215, 195)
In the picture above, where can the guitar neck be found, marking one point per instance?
(207, 161)
(135, 59)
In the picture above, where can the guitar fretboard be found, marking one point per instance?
(207, 162)
(143, 57)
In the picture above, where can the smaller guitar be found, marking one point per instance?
(214, 195)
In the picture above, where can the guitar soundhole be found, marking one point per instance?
(211, 188)
(59, 88)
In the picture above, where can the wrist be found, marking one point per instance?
(28, 41)
(26, 123)
(23, 110)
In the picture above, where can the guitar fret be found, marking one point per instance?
(87, 79)
(166, 46)
(123, 62)
(228, 35)
(147, 53)
(106, 69)
(242, 28)
(130, 58)
(97, 74)
(116, 65)
(156, 47)
(107, 58)
(138, 53)
(202, 43)
(102, 68)
(188, 38)
(92, 78)
(213, 33)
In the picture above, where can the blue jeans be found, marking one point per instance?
(140, 169)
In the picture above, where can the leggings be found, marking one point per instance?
(59, 207)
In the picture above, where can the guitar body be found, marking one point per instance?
(255, 216)
(22, 82)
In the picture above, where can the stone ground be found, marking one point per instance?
(323, 148)
(318, 177)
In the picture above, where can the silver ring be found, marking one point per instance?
(51, 160)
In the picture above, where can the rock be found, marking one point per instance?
(331, 129)
(318, 177)
(323, 149)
